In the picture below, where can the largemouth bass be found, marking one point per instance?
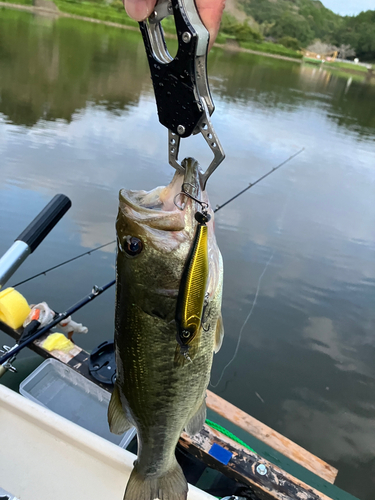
(158, 389)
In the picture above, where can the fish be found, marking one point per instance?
(161, 383)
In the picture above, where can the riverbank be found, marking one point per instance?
(53, 9)
(367, 70)
(113, 15)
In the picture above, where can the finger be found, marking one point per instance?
(139, 9)
(211, 12)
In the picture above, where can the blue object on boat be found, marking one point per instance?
(220, 453)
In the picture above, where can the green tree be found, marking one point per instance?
(294, 26)
(290, 42)
(359, 32)
(308, 20)
(240, 31)
(322, 22)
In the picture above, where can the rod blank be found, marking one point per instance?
(32, 236)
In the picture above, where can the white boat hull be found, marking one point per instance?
(44, 456)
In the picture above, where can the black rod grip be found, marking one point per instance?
(45, 221)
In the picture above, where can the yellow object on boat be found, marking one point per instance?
(14, 308)
(57, 342)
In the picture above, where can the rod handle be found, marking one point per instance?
(45, 221)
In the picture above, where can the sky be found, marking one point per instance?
(349, 7)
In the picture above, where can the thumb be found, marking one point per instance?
(210, 12)
(139, 9)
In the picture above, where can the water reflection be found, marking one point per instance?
(249, 78)
(77, 115)
(60, 68)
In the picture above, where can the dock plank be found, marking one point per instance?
(271, 437)
(272, 484)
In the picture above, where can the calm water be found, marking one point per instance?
(77, 116)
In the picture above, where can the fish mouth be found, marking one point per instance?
(160, 199)
(163, 208)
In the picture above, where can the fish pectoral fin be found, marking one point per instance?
(219, 334)
(197, 421)
(118, 422)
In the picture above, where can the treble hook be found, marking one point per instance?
(183, 192)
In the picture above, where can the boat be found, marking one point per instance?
(49, 456)
(48, 451)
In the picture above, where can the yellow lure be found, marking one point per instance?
(192, 291)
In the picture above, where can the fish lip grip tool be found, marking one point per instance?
(181, 87)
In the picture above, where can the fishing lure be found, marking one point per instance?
(193, 285)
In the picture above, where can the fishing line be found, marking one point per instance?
(245, 322)
(254, 301)
(218, 207)
(63, 263)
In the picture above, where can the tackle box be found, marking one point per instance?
(69, 394)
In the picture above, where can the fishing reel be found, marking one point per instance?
(7, 366)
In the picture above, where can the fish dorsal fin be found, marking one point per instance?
(118, 422)
(219, 334)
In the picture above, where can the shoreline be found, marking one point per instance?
(55, 11)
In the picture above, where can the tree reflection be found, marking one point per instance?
(52, 68)
(284, 85)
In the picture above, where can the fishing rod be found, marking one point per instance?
(89, 252)
(30, 336)
(96, 291)
(218, 207)
(32, 236)
(27, 242)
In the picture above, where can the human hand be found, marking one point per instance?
(210, 12)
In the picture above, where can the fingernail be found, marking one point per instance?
(138, 9)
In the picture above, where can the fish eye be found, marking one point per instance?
(133, 246)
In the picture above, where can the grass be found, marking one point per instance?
(113, 12)
(344, 65)
(310, 60)
(96, 10)
(271, 48)
(352, 68)
(19, 2)
(268, 47)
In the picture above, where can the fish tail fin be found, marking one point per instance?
(170, 486)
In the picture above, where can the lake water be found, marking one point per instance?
(77, 116)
